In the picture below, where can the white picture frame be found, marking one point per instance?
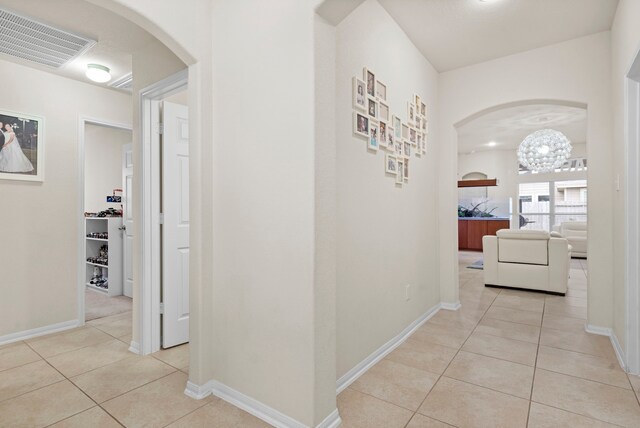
(390, 138)
(373, 142)
(372, 108)
(383, 111)
(400, 173)
(361, 124)
(359, 98)
(397, 126)
(27, 143)
(391, 164)
(381, 90)
(411, 113)
(405, 172)
(370, 80)
(384, 130)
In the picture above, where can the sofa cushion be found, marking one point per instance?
(526, 251)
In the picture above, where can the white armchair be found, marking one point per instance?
(576, 233)
(528, 259)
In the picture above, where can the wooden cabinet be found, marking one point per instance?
(470, 232)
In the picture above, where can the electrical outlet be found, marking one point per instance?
(407, 291)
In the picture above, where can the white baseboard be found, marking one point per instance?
(606, 331)
(331, 421)
(134, 347)
(253, 406)
(450, 306)
(357, 371)
(39, 331)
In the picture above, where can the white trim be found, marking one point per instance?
(134, 347)
(349, 377)
(38, 331)
(149, 191)
(248, 404)
(80, 236)
(605, 331)
(631, 217)
(450, 306)
(331, 421)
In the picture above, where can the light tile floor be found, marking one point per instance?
(86, 377)
(507, 358)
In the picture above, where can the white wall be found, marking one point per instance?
(386, 234)
(576, 71)
(263, 186)
(625, 41)
(38, 285)
(103, 165)
(325, 215)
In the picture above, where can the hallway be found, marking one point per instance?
(506, 359)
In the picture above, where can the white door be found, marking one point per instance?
(175, 229)
(127, 220)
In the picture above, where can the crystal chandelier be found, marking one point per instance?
(544, 150)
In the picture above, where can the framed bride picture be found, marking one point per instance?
(21, 146)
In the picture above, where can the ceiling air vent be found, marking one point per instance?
(33, 41)
(125, 83)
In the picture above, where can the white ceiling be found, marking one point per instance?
(457, 33)
(117, 38)
(509, 126)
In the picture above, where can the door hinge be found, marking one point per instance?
(161, 218)
(160, 128)
(161, 308)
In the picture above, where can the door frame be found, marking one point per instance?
(150, 272)
(632, 217)
(81, 241)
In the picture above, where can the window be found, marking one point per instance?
(546, 204)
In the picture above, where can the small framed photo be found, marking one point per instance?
(399, 147)
(384, 129)
(397, 126)
(390, 138)
(424, 124)
(391, 164)
(21, 146)
(418, 121)
(400, 174)
(417, 101)
(381, 90)
(423, 110)
(383, 111)
(370, 79)
(407, 149)
(360, 124)
(425, 127)
(419, 145)
(373, 108)
(405, 131)
(374, 136)
(413, 136)
(406, 170)
(359, 94)
(411, 113)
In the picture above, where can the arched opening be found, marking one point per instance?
(551, 201)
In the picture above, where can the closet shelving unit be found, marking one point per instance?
(113, 270)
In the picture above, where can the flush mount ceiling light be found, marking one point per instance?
(544, 150)
(492, 144)
(98, 73)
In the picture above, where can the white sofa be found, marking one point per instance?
(576, 233)
(529, 259)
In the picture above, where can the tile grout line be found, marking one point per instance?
(454, 357)
(535, 363)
